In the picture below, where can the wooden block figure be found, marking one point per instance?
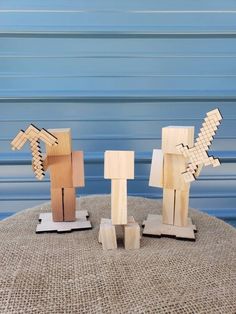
(119, 167)
(66, 173)
(173, 168)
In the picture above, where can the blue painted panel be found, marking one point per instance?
(116, 72)
(113, 5)
(131, 22)
(75, 47)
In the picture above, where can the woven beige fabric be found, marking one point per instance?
(69, 273)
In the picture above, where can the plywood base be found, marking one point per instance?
(48, 225)
(153, 226)
(107, 234)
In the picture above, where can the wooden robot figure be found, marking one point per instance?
(66, 169)
(173, 168)
(119, 166)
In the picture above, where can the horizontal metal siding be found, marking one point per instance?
(116, 73)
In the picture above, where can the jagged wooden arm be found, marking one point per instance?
(198, 154)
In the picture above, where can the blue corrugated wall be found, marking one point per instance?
(116, 72)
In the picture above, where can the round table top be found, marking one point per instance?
(70, 273)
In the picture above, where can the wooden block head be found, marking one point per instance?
(119, 165)
(175, 135)
(64, 146)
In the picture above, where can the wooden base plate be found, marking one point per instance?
(153, 226)
(48, 225)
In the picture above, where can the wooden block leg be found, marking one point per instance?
(107, 236)
(168, 206)
(69, 204)
(119, 202)
(132, 236)
(57, 204)
(181, 208)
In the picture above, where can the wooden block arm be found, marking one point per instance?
(78, 168)
(157, 169)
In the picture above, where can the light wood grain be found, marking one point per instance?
(119, 165)
(168, 206)
(181, 208)
(60, 168)
(107, 235)
(176, 135)
(132, 235)
(69, 202)
(78, 168)
(174, 166)
(48, 225)
(153, 226)
(57, 204)
(119, 201)
(157, 169)
(64, 146)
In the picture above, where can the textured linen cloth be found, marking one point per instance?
(70, 273)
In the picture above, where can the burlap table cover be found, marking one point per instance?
(70, 273)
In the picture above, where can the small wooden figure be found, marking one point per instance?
(119, 166)
(66, 172)
(173, 168)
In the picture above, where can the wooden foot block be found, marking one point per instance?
(103, 221)
(107, 235)
(132, 235)
(48, 225)
(153, 226)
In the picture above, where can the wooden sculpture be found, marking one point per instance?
(173, 168)
(34, 135)
(66, 173)
(119, 166)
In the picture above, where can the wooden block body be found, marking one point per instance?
(168, 206)
(174, 166)
(57, 204)
(175, 135)
(64, 146)
(119, 201)
(132, 236)
(181, 208)
(157, 168)
(119, 165)
(60, 171)
(78, 168)
(69, 204)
